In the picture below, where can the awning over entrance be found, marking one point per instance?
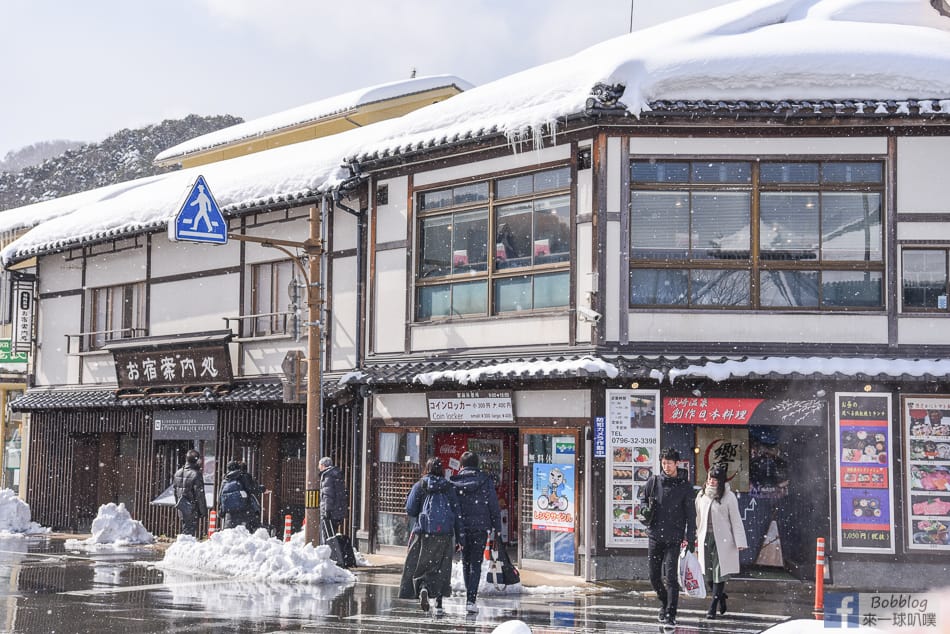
(250, 392)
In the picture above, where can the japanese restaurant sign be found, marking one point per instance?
(926, 423)
(864, 461)
(697, 410)
(632, 438)
(173, 367)
(472, 406)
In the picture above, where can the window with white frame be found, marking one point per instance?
(272, 291)
(498, 246)
(769, 234)
(925, 279)
(116, 312)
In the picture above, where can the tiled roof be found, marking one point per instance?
(858, 108)
(251, 392)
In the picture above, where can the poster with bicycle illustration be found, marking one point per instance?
(553, 498)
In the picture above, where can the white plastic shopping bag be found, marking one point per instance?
(691, 575)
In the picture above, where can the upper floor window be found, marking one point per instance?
(497, 246)
(757, 235)
(117, 312)
(925, 279)
(273, 289)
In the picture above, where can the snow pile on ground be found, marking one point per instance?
(15, 516)
(361, 561)
(512, 627)
(484, 587)
(236, 553)
(113, 528)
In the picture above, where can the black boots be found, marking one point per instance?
(719, 600)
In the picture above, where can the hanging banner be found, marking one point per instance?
(729, 445)
(926, 422)
(700, 410)
(22, 298)
(553, 494)
(864, 470)
(633, 425)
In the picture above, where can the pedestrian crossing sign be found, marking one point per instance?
(199, 219)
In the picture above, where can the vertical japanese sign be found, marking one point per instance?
(927, 445)
(22, 298)
(553, 493)
(633, 424)
(864, 469)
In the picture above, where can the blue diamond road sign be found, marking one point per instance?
(199, 219)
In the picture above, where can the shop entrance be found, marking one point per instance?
(549, 499)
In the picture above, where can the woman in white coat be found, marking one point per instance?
(720, 535)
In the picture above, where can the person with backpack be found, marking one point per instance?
(235, 500)
(334, 500)
(433, 510)
(190, 494)
(480, 513)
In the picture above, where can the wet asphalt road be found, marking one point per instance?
(47, 589)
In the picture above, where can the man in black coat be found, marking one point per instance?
(479, 512)
(190, 494)
(672, 526)
(334, 499)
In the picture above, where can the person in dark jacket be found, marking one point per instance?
(478, 507)
(672, 526)
(235, 500)
(190, 494)
(254, 489)
(334, 499)
(428, 568)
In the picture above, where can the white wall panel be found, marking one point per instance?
(391, 217)
(584, 278)
(194, 305)
(922, 183)
(110, 269)
(59, 274)
(344, 231)
(389, 305)
(264, 357)
(923, 331)
(487, 334)
(296, 230)
(672, 146)
(98, 369)
(517, 160)
(614, 174)
(58, 317)
(615, 279)
(344, 314)
(396, 406)
(703, 327)
(177, 258)
(585, 192)
(552, 403)
(930, 231)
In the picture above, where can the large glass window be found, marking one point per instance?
(117, 312)
(498, 246)
(925, 279)
(769, 235)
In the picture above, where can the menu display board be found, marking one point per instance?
(926, 422)
(633, 425)
(864, 470)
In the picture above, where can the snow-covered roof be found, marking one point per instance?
(756, 50)
(311, 112)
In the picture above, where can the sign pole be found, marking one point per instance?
(314, 249)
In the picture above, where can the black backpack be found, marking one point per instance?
(436, 516)
(233, 497)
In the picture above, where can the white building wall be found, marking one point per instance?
(344, 314)
(764, 146)
(111, 269)
(585, 278)
(518, 160)
(391, 218)
(194, 305)
(522, 331)
(58, 317)
(389, 301)
(922, 331)
(748, 327)
(58, 274)
(922, 183)
(181, 258)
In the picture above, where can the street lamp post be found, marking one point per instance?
(313, 247)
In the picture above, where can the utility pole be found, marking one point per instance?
(313, 247)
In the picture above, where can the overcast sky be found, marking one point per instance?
(84, 70)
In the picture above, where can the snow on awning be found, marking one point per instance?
(813, 367)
